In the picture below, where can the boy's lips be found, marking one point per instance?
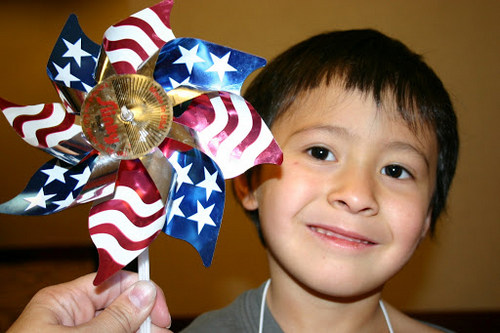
(343, 236)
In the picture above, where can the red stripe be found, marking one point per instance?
(232, 123)
(107, 267)
(233, 119)
(126, 43)
(252, 136)
(42, 134)
(144, 26)
(163, 10)
(199, 114)
(123, 240)
(169, 146)
(19, 121)
(122, 67)
(272, 154)
(127, 210)
(133, 174)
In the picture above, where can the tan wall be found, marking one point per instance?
(459, 270)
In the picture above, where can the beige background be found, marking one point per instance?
(458, 270)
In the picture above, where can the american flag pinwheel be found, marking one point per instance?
(148, 129)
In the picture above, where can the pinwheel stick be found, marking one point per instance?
(143, 271)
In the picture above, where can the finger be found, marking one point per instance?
(104, 294)
(160, 316)
(127, 312)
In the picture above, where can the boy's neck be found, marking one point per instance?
(299, 309)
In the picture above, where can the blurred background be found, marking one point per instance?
(455, 274)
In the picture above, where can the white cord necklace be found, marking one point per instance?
(263, 306)
(386, 316)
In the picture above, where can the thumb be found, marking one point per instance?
(127, 312)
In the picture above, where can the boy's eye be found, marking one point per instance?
(321, 153)
(396, 171)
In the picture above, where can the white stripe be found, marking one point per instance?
(134, 200)
(151, 18)
(134, 33)
(258, 146)
(53, 139)
(247, 159)
(13, 112)
(241, 131)
(126, 55)
(131, 231)
(219, 123)
(111, 245)
(29, 128)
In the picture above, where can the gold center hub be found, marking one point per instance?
(126, 116)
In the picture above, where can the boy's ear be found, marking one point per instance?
(244, 192)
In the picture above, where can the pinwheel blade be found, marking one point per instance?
(48, 127)
(122, 227)
(73, 60)
(53, 187)
(203, 65)
(196, 202)
(130, 42)
(101, 184)
(231, 132)
(160, 171)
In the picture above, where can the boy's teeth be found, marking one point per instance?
(333, 234)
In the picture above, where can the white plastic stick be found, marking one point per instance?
(143, 271)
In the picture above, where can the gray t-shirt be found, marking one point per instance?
(240, 316)
(243, 316)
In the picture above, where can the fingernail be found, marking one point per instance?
(142, 294)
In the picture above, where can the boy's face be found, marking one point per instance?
(350, 203)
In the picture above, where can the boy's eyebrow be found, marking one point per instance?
(399, 145)
(327, 128)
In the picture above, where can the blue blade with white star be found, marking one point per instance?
(73, 60)
(196, 201)
(203, 65)
(53, 187)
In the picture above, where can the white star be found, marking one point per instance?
(202, 216)
(56, 172)
(182, 172)
(64, 74)
(210, 183)
(64, 203)
(75, 51)
(175, 209)
(221, 65)
(176, 84)
(38, 200)
(189, 57)
(82, 178)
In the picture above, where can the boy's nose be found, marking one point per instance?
(354, 191)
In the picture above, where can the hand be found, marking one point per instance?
(121, 304)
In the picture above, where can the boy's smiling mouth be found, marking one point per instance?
(342, 237)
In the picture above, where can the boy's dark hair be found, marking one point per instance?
(368, 61)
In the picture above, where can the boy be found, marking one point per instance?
(370, 146)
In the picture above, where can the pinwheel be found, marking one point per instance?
(149, 127)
